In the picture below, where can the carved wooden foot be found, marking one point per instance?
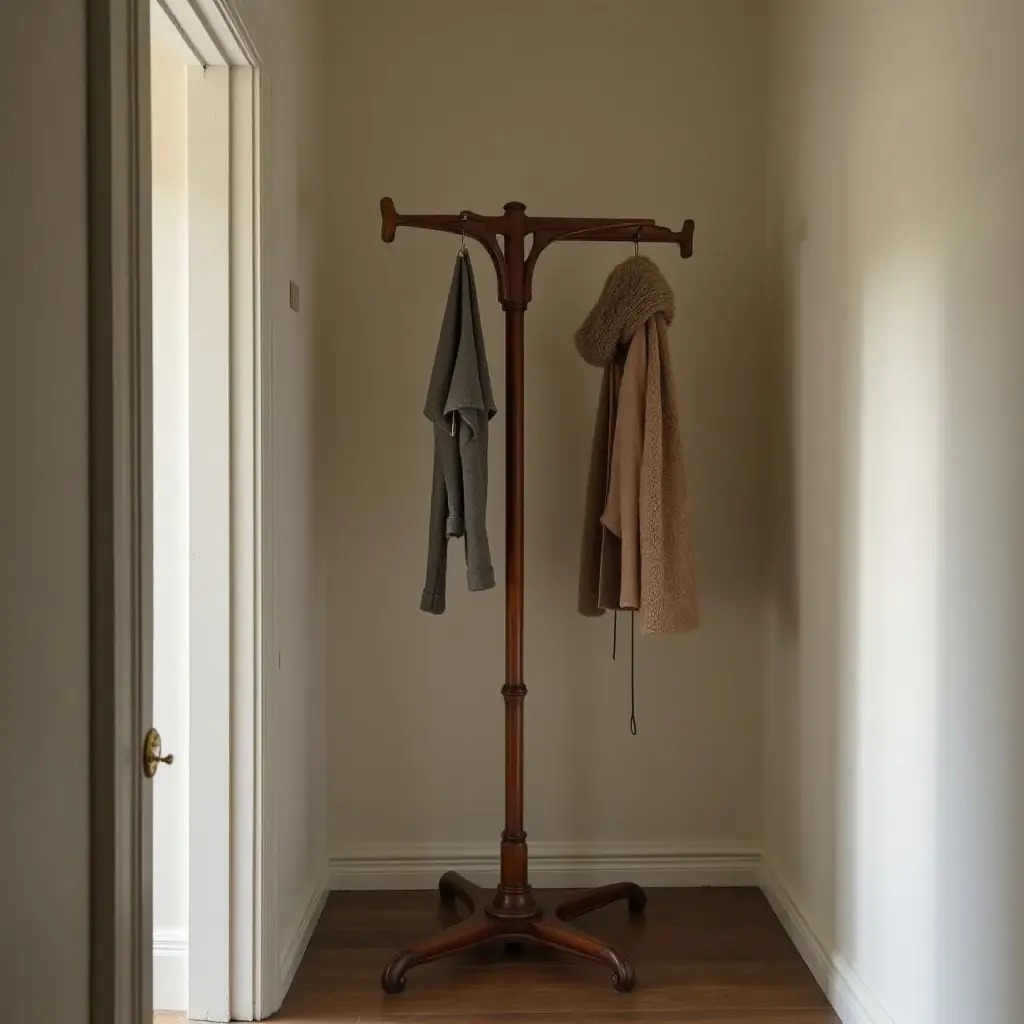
(569, 939)
(594, 899)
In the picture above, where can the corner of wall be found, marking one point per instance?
(852, 1000)
(294, 949)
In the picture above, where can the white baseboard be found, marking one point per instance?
(850, 997)
(296, 946)
(419, 866)
(170, 969)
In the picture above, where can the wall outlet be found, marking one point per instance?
(293, 295)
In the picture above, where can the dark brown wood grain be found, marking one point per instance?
(513, 913)
(707, 956)
(514, 917)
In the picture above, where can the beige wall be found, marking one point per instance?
(44, 680)
(895, 722)
(651, 109)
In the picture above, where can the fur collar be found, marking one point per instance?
(634, 291)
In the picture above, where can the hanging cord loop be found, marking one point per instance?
(632, 674)
(632, 662)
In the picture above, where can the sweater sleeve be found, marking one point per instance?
(473, 451)
(433, 597)
(470, 400)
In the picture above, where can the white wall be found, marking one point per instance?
(575, 108)
(170, 521)
(895, 707)
(44, 652)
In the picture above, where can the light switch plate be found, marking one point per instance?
(293, 295)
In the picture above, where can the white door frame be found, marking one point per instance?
(121, 516)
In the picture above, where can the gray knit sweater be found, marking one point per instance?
(460, 405)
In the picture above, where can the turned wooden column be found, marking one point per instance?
(513, 898)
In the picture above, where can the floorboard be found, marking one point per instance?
(702, 956)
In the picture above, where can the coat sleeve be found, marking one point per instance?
(589, 597)
(621, 511)
(437, 545)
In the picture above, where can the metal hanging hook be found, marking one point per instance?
(462, 248)
(636, 243)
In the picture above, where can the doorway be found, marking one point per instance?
(206, 533)
(232, 969)
(171, 441)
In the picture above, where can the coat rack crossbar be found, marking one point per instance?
(512, 914)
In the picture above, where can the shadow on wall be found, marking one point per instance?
(896, 694)
(979, 835)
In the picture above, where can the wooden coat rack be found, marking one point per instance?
(512, 914)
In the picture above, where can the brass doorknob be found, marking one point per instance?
(151, 754)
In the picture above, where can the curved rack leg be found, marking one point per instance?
(569, 939)
(594, 899)
(453, 886)
(474, 931)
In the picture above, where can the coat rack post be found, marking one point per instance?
(513, 897)
(512, 914)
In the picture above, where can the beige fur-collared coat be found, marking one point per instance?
(637, 542)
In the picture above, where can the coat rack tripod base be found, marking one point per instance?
(512, 915)
(515, 918)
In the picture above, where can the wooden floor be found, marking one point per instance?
(702, 956)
